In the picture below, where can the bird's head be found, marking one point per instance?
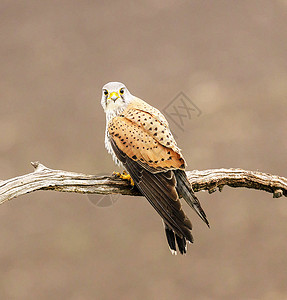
(115, 96)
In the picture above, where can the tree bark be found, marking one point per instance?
(44, 178)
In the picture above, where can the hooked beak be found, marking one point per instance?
(114, 96)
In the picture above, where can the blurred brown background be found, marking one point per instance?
(230, 58)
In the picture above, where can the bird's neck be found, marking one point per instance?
(110, 114)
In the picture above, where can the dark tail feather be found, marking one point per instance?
(181, 244)
(185, 190)
(172, 237)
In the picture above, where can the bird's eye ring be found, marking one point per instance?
(122, 91)
(106, 92)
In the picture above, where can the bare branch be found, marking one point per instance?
(44, 178)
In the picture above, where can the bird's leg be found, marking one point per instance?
(125, 176)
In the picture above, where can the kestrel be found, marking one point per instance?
(138, 138)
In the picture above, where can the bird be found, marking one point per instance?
(138, 137)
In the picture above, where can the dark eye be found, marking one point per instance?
(122, 91)
(106, 92)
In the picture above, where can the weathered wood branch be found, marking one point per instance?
(44, 178)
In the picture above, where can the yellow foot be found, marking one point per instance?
(125, 176)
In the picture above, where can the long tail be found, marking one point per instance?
(172, 237)
(184, 189)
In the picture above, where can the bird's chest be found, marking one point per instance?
(109, 147)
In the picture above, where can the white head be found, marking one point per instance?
(115, 97)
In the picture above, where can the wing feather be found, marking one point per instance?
(160, 191)
(146, 141)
